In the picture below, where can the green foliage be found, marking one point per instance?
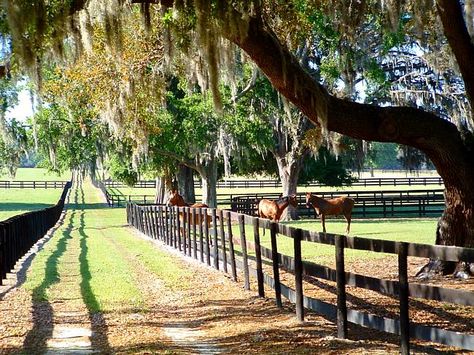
(120, 167)
(385, 155)
(326, 169)
(67, 141)
(13, 146)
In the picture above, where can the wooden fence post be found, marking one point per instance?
(276, 270)
(403, 294)
(341, 288)
(201, 236)
(214, 235)
(298, 275)
(167, 226)
(184, 229)
(245, 261)
(193, 216)
(206, 232)
(222, 238)
(173, 227)
(258, 258)
(178, 229)
(231, 247)
(188, 231)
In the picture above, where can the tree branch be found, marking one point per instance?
(459, 40)
(182, 160)
(249, 86)
(438, 138)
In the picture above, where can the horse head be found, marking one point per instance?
(175, 199)
(308, 199)
(292, 200)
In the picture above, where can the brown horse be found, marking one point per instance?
(273, 209)
(176, 199)
(335, 206)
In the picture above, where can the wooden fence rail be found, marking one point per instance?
(173, 226)
(247, 183)
(5, 184)
(388, 203)
(19, 233)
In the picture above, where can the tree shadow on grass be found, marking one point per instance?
(24, 206)
(42, 312)
(99, 326)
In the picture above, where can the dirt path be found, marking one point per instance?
(204, 312)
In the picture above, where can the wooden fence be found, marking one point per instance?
(214, 243)
(19, 233)
(5, 184)
(247, 183)
(388, 203)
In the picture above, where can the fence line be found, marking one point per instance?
(19, 233)
(389, 203)
(248, 183)
(174, 227)
(19, 184)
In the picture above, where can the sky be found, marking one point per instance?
(23, 110)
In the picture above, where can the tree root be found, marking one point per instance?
(435, 267)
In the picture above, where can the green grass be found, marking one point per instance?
(302, 188)
(37, 174)
(107, 255)
(17, 201)
(407, 230)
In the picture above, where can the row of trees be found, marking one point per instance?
(336, 68)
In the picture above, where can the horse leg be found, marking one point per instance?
(323, 222)
(348, 219)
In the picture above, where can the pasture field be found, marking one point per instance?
(91, 231)
(37, 174)
(255, 190)
(17, 201)
(413, 230)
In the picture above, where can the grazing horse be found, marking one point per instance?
(176, 199)
(273, 209)
(335, 206)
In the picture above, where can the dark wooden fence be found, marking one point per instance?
(232, 184)
(4, 184)
(389, 203)
(19, 233)
(214, 244)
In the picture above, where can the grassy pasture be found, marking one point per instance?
(37, 174)
(95, 235)
(17, 201)
(413, 230)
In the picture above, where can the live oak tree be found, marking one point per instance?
(269, 32)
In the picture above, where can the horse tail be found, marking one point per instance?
(257, 202)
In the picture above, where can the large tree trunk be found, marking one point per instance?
(433, 135)
(163, 187)
(450, 150)
(289, 171)
(208, 173)
(186, 183)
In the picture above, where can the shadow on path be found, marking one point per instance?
(42, 312)
(99, 327)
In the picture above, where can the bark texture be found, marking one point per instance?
(436, 137)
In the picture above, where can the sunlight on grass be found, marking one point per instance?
(106, 279)
(38, 174)
(18, 201)
(408, 230)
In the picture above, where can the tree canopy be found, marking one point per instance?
(386, 71)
